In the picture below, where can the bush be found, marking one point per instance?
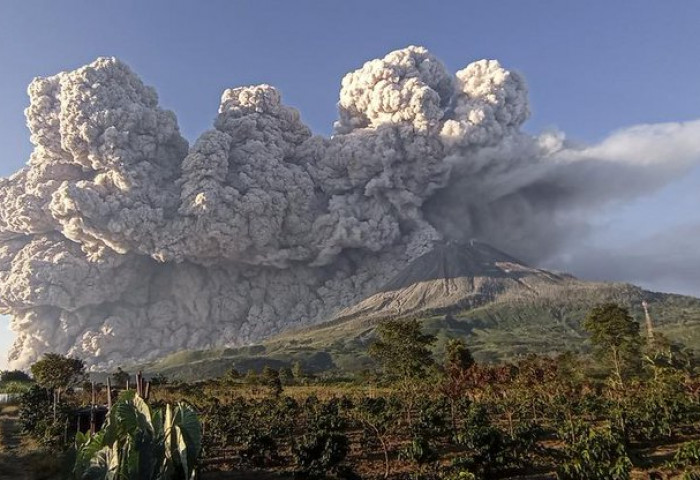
(36, 417)
(320, 453)
(687, 455)
(593, 454)
(419, 451)
(489, 449)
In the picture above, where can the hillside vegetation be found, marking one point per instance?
(544, 321)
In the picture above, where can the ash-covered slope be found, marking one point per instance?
(454, 275)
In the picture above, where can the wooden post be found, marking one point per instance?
(93, 420)
(147, 391)
(109, 393)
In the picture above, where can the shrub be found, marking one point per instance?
(319, 453)
(593, 454)
(688, 454)
(419, 451)
(36, 417)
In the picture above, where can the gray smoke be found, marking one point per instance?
(118, 242)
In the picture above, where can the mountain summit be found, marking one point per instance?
(451, 276)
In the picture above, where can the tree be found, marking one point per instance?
(455, 383)
(660, 353)
(378, 417)
(286, 376)
(232, 376)
(159, 379)
(120, 377)
(457, 355)
(615, 336)
(298, 372)
(271, 379)
(402, 349)
(14, 376)
(56, 372)
(251, 377)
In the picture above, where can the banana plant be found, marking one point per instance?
(140, 443)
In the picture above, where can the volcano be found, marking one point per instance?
(455, 276)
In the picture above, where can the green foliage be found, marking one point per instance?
(690, 475)
(159, 379)
(457, 355)
(251, 377)
(232, 375)
(687, 455)
(137, 442)
(57, 372)
(14, 376)
(286, 376)
(593, 454)
(15, 387)
(318, 453)
(615, 336)
(419, 451)
(120, 378)
(486, 449)
(298, 372)
(36, 417)
(658, 408)
(270, 378)
(459, 474)
(403, 349)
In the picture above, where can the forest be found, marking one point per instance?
(630, 409)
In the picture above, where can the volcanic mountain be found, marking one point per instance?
(502, 307)
(454, 276)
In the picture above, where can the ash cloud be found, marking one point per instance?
(118, 240)
(661, 261)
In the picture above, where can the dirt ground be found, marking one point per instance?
(19, 458)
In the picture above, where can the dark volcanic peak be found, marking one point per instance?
(451, 260)
(455, 275)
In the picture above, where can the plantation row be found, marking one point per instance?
(633, 411)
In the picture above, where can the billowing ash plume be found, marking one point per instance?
(117, 241)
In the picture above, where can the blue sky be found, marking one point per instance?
(592, 67)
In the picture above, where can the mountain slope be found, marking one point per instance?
(500, 306)
(453, 276)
